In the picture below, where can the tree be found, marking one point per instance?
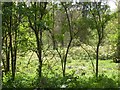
(35, 18)
(5, 36)
(64, 58)
(10, 33)
(100, 15)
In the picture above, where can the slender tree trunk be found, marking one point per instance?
(65, 58)
(2, 56)
(100, 37)
(38, 33)
(39, 43)
(39, 53)
(15, 53)
(97, 58)
(7, 69)
(15, 44)
(71, 38)
(39, 40)
(11, 46)
(38, 37)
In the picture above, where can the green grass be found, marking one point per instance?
(79, 72)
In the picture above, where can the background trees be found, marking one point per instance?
(65, 38)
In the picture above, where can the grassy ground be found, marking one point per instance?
(79, 72)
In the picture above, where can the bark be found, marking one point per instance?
(38, 40)
(11, 45)
(39, 54)
(97, 57)
(15, 54)
(7, 69)
(12, 49)
(65, 58)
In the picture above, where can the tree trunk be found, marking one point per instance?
(65, 58)
(97, 58)
(71, 38)
(11, 46)
(15, 53)
(39, 53)
(7, 69)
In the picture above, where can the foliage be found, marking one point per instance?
(103, 81)
(78, 33)
(78, 75)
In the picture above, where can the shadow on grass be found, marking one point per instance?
(69, 81)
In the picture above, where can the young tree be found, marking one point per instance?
(64, 59)
(35, 15)
(100, 15)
